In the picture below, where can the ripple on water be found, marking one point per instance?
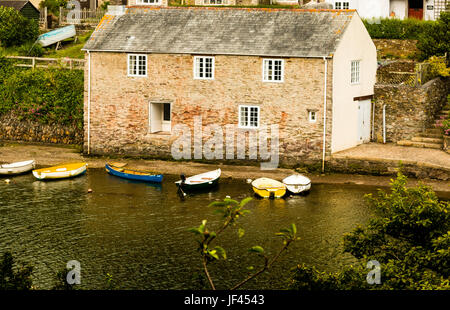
(138, 233)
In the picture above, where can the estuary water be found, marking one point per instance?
(137, 233)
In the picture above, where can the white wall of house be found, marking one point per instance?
(399, 8)
(385, 8)
(356, 44)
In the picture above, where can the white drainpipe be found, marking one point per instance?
(89, 106)
(324, 114)
(384, 123)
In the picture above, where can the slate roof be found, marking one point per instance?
(18, 5)
(222, 31)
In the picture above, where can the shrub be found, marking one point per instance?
(435, 41)
(14, 278)
(409, 237)
(47, 96)
(15, 29)
(393, 28)
(31, 49)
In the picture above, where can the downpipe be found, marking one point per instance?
(324, 113)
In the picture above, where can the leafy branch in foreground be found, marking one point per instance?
(231, 210)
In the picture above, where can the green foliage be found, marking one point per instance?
(15, 29)
(47, 96)
(438, 66)
(12, 278)
(53, 5)
(231, 210)
(104, 5)
(393, 28)
(31, 49)
(409, 237)
(435, 40)
(61, 281)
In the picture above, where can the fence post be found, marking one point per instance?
(45, 18)
(33, 63)
(60, 15)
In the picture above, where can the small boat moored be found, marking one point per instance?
(268, 188)
(297, 183)
(60, 172)
(117, 169)
(17, 167)
(200, 181)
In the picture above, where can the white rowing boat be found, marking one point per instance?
(17, 168)
(297, 183)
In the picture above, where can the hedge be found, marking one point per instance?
(393, 28)
(49, 96)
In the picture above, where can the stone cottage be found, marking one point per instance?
(309, 72)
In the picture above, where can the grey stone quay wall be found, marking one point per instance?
(14, 129)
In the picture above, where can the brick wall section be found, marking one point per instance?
(409, 110)
(120, 104)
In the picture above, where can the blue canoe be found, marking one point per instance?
(133, 174)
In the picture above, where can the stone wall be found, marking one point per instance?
(120, 105)
(14, 129)
(409, 110)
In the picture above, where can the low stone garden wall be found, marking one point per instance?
(14, 129)
(409, 110)
(447, 144)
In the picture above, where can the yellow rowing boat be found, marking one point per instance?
(268, 188)
(61, 171)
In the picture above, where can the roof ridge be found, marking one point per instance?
(153, 7)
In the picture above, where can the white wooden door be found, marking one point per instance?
(155, 117)
(364, 112)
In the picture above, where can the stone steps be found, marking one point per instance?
(428, 140)
(420, 144)
(430, 135)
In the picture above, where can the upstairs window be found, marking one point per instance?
(248, 116)
(355, 74)
(137, 65)
(342, 5)
(214, 2)
(150, 2)
(273, 70)
(203, 68)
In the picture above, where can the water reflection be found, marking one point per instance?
(137, 232)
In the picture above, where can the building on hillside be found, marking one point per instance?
(310, 72)
(26, 8)
(419, 9)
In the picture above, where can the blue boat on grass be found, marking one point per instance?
(117, 169)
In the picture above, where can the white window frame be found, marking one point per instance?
(148, 2)
(197, 73)
(208, 2)
(265, 75)
(355, 72)
(248, 116)
(137, 65)
(345, 5)
(310, 114)
(338, 5)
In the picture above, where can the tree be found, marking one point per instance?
(15, 29)
(53, 5)
(435, 41)
(12, 278)
(409, 237)
(231, 211)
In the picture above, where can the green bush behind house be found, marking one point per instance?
(49, 96)
(393, 28)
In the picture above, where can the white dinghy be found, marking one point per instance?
(297, 183)
(17, 168)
